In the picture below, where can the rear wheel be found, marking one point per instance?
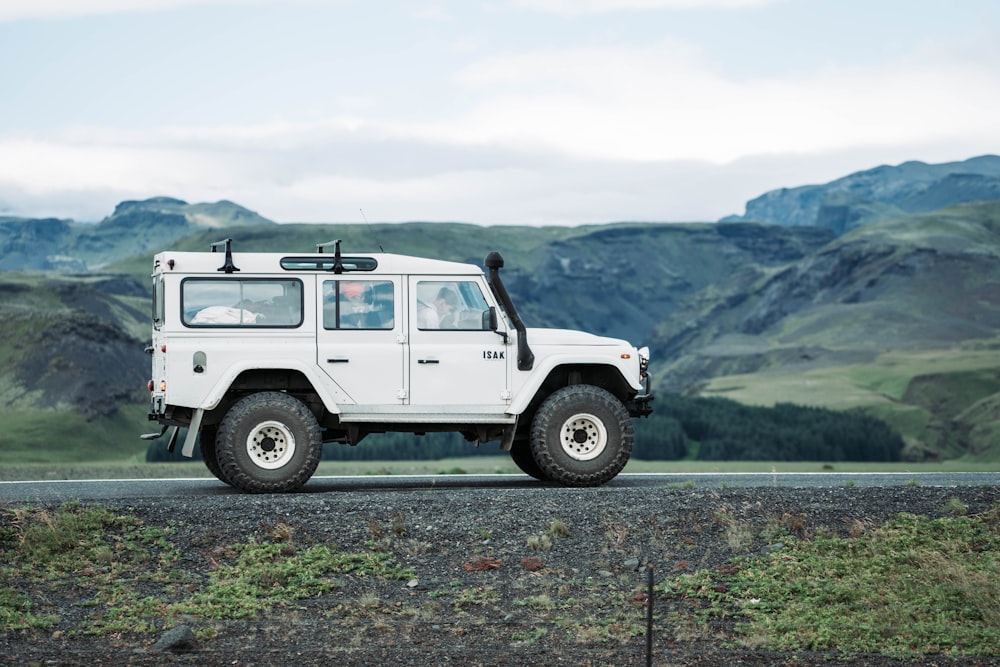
(268, 442)
(206, 440)
(581, 436)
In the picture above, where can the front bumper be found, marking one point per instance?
(640, 406)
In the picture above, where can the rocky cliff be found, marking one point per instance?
(135, 227)
(879, 193)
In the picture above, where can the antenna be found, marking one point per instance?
(365, 218)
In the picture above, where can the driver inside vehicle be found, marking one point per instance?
(447, 306)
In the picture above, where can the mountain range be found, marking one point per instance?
(892, 308)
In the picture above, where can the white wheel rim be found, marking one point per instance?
(583, 437)
(270, 445)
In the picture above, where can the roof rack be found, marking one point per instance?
(228, 265)
(338, 264)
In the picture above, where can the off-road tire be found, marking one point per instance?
(520, 453)
(206, 441)
(268, 442)
(581, 436)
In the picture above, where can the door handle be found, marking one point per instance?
(428, 361)
(338, 360)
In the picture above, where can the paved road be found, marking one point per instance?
(93, 490)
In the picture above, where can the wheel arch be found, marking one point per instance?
(316, 391)
(605, 376)
(292, 381)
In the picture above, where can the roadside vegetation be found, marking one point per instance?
(130, 576)
(913, 586)
(909, 587)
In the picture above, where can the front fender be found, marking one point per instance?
(546, 366)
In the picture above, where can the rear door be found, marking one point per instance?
(360, 337)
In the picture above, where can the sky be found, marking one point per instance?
(485, 111)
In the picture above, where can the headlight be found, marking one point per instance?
(643, 359)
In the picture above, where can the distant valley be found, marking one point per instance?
(879, 291)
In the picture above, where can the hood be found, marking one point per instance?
(571, 337)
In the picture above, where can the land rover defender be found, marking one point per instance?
(264, 357)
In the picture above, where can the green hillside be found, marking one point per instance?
(72, 368)
(899, 318)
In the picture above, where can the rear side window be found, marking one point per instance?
(158, 306)
(235, 302)
(359, 304)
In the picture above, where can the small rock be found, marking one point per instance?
(175, 640)
(632, 564)
(770, 548)
(531, 563)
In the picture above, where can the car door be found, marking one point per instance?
(360, 338)
(455, 360)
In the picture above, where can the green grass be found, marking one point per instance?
(911, 587)
(90, 553)
(39, 437)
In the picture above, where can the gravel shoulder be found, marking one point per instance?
(543, 576)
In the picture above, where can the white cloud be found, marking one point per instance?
(602, 6)
(580, 135)
(271, 169)
(16, 10)
(661, 103)
(585, 134)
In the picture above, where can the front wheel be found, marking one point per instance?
(521, 454)
(268, 442)
(581, 436)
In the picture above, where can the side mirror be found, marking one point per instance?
(491, 323)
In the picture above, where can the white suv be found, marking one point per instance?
(267, 356)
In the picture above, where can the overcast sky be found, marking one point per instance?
(485, 111)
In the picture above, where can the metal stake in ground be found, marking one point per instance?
(649, 616)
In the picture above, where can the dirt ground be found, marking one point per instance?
(540, 576)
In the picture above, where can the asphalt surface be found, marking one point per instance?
(96, 490)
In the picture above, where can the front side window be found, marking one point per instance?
(358, 304)
(450, 304)
(234, 302)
